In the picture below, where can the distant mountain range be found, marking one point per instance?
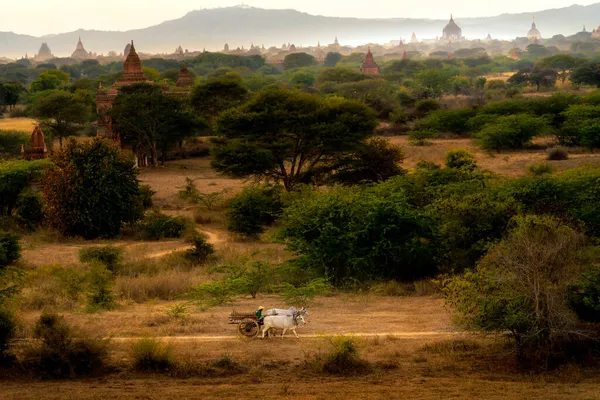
(212, 28)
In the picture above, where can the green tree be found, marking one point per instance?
(537, 77)
(255, 208)
(10, 252)
(359, 234)
(587, 74)
(10, 94)
(50, 80)
(298, 60)
(289, 136)
(217, 95)
(511, 132)
(92, 191)
(520, 288)
(432, 80)
(339, 75)
(62, 113)
(562, 63)
(332, 58)
(148, 118)
(377, 160)
(302, 79)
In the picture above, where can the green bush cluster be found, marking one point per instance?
(255, 208)
(110, 256)
(156, 226)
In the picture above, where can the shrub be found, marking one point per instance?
(558, 153)
(360, 233)
(584, 296)
(426, 106)
(29, 209)
(110, 256)
(249, 277)
(93, 191)
(150, 354)
(215, 293)
(513, 292)
(345, 359)
(451, 120)
(539, 168)
(376, 161)
(255, 208)
(7, 332)
(63, 354)
(304, 294)
(15, 177)
(211, 201)
(201, 250)
(399, 116)
(420, 137)
(11, 142)
(156, 226)
(10, 250)
(511, 132)
(461, 159)
(100, 295)
(146, 194)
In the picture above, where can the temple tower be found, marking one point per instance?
(369, 66)
(37, 146)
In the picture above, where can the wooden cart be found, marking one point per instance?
(246, 322)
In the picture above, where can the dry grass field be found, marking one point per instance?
(17, 124)
(416, 351)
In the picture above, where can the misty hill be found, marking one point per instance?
(239, 26)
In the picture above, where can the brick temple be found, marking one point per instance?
(132, 73)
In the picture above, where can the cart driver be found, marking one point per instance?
(259, 315)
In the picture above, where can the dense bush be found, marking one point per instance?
(200, 251)
(359, 234)
(584, 296)
(460, 159)
(110, 256)
(150, 354)
(558, 153)
(377, 160)
(63, 353)
(426, 106)
(11, 142)
(10, 250)
(7, 331)
(156, 226)
(448, 121)
(15, 177)
(93, 191)
(255, 208)
(511, 132)
(420, 137)
(520, 288)
(30, 209)
(539, 168)
(344, 359)
(100, 288)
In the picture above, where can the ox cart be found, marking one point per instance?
(247, 324)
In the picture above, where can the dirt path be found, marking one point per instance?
(213, 238)
(289, 335)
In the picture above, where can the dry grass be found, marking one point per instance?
(166, 285)
(513, 163)
(17, 124)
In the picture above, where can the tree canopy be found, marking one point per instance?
(290, 136)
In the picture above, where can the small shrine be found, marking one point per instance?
(37, 146)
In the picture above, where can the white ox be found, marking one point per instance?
(284, 322)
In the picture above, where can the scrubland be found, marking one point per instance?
(406, 344)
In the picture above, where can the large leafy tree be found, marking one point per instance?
(562, 63)
(290, 136)
(149, 119)
(297, 60)
(10, 92)
(537, 77)
(92, 191)
(332, 58)
(218, 94)
(62, 113)
(587, 74)
(50, 80)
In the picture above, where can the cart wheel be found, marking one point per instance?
(248, 327)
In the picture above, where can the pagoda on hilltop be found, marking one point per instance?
(369, 66)
(37, 146)
(80, 53)
(452, 31)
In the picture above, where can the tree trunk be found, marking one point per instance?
(153, 154)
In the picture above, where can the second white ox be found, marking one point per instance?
(284, 322)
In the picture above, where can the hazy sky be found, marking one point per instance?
(39, 17)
